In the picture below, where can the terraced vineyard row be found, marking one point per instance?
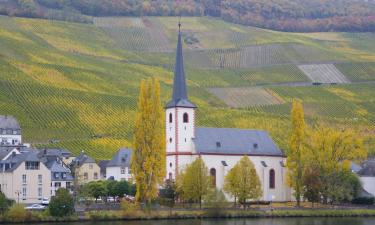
(246, 97)
(358, 71)
(323, 73)
(135, 34)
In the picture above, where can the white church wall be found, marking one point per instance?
(280, 193)
(185, 130)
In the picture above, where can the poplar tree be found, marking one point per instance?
(295, 161)
(194, 182)
(148, 158)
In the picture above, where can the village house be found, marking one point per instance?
(29, 175)
(367, 176)
(24, 177)
(61, 176)
(85, 169)
(118, 168)
(220, 148)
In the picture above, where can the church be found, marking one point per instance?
(220, 148)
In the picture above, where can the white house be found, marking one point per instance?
(10, 131)
(367, 176)
(118, 168)
(220, 148)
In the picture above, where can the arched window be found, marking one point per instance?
(186, 118)
(213, 176)
(272, 179)
(170, 118)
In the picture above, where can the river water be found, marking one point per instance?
(282, 221)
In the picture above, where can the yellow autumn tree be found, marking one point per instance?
(330, 152)
(243, 182)
(148, 158)
(194, 182)
(295, 157)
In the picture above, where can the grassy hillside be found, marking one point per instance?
(76, 85)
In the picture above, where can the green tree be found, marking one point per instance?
(97, 189)
(246, 183)
(194, 182)
(62, 204)
(148, 158)
(295, 158)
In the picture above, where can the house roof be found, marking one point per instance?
(368, 168)
(82, 159)
(56, 152)
(121, 158)
(9, 122)
(17, 159)
(235, 141)
(179, 96)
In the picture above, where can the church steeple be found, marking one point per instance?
(179, 97)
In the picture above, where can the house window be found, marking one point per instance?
(122, 170)
(129, 170)
(170, 140)
(68, 185)
(56, 175)
(95, 176)
(24, 178)
(85, 176)
(57, 184)
(24, 193)
(40, 193)
(170, 118)
(218, 144)
(186, 118)
(170, 164)
(40, 179)
(170, 176)
(90, 166)
(213, 176)
(63, 175)
(272, 179)
(32, 165)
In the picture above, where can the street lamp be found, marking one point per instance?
(18, 195)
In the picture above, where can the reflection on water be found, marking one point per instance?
(283, 221)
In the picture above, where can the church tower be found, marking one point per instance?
(180, 116)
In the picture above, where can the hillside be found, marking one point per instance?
(283, 15)
(75, 85)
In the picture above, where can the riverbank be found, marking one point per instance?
(192, 214)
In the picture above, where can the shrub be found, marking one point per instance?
(18, 213)
(62, 204)
(4, 203)
(364, 201)
(128, 208)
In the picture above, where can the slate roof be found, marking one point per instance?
(368, 168)
(82, 159)
(235, 141)
(56, 152)
(179, 97)
(9, 122)
(16, 160)
(121, 158)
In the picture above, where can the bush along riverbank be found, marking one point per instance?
(22, 217)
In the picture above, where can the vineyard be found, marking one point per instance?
(77, 84)
(324, 73)
(246, 97)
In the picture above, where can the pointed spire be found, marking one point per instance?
(179, 97)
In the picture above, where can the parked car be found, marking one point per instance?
(129, 198)
(45, 201)
(35, 207)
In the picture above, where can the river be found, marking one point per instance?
(277, 221)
